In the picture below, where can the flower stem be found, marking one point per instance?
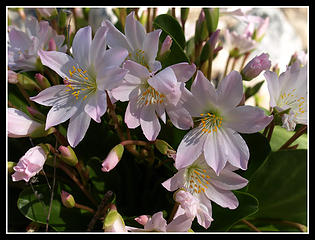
(297, 134)
(244, 60)
(26, 96)
(148, 27)
(234, 63)
(100, 209)
(272, 126)
(250, 225)
(77, 205)
(134, 142)
(210, 64)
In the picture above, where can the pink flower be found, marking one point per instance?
(67, 199)
(142, 46)
(256, 66)
(152, 96)
(20, 124)
(23, 46)
(30, 164)
(218, 120)
(143, 219)
(166, 45)
(289, 91)
(202, 184)
(87, 77)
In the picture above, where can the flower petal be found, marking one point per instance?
(134, 31)
(51, 96)
(183, 71)
(115, 38)
(165, 82)
(132, 114)
(203, 90)
(246, 119)
(190, 148)
(179, 116)
(114, 57)
(136, 69)
(204, 215)
(273, 87)
(230, 90)
(150, 124)
(223, 198)
(78, 125)
(125, 91)
(96, 105)
(176, 181)
(228, 180)
(182, 223)
(81, 46)
(98, 47)
(60, 62)
(110, 77)
(151, 45)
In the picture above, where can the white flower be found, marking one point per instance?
(87, 76)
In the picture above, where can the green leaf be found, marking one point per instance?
(171, 27)
(61, 218)
(280, 135)
(250, 91)
(280, 186)
(212, 18)
(259, 149)
(225, 218)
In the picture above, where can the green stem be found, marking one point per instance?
(250, 225)
(227, 65)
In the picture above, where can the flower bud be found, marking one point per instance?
(212, 19)
(201, 31)
(113, 158)
(184, 14)
(166, 45)
(143, 219)
(162, 146)
(12, 77)
(114, 222)
(42, 81)
(10, 167)
(26, 82)
(67, 199)
(256, 66)
(68, 155)
(52, 45)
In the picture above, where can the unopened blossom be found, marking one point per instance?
(20, 124)
(114, 222)
(203, 185)
(67, 199)
(256, 66)
(166, 45)
(142, 46)
(192, 207)
(24, 45)
(157, 223)
(152, 96)
(289, 92)
(218, 122)
(113, 158)
(30, 164)
(12, 77)
(87, 76)
(143, 219)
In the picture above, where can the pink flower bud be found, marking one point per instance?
(12, 77)
(30, 164)
(166, 45)
(68, 155)
(67, 199)
(143, 219)
(113, 158)
(256, 66)
(42, 81)
(20, 124)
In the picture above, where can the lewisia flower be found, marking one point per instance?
(20, 124)
(23, 46)
(288, 92)
(204, 185)
(30, 164)
(255, 66)
(87, 76)
(218, 121)
(150, 96)
(142, 46)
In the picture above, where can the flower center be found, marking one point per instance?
(290, 100)
(138, 56)
(209, 122)
(80, 83)
(150, 96)
(197, 180)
